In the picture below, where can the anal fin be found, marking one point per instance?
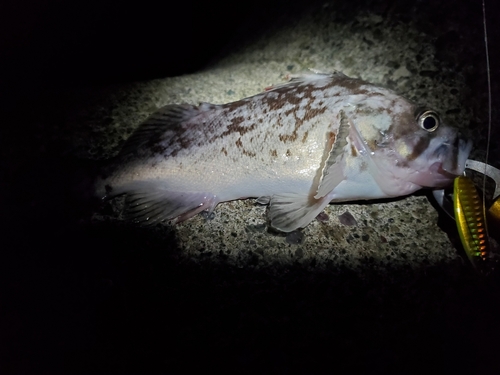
(149, 203)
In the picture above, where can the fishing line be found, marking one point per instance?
(489, 106)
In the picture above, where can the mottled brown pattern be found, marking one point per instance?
(352, 84)
(236, 126)
(403, 123)
(248, 153)
(239, 144)
(291, 97)
(419, 148)
(311, 113)
(288, 138)
(304, 137)
(267, 105)
(274, 153)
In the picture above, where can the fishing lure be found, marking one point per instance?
(471, 220)
(469, 210)
(478, 224)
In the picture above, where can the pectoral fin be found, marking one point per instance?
(333, 164)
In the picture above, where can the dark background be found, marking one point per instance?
(78, 297)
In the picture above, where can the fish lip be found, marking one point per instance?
(447, 167)
(436, 176)
(446, 177)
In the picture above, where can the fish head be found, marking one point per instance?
(431, 153)
(411, 148)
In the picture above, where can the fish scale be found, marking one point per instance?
(317, 139)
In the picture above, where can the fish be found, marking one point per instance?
(296, 147)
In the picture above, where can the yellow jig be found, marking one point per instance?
(470, 219)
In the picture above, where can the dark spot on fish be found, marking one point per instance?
(347, 219)
(311, 113)
(235, 126)
(295, 238)
(304, 137)
(249, 153)
(383, 239)
(224, 151)
(239, 144)
(419, 148)
(288, 138)
(288, 153)
(365, 237)
(274, 153)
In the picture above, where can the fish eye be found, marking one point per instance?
(428, 120)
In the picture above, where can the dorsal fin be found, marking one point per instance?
(304, 78)
(150, 130)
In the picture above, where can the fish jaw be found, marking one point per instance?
(442, 162)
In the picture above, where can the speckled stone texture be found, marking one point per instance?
(368, 287)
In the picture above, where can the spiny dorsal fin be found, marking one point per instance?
(304, 78)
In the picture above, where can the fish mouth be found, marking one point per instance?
(440, 177)
(450, 163)
(455, 163)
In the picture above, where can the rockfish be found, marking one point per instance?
(317, 139)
